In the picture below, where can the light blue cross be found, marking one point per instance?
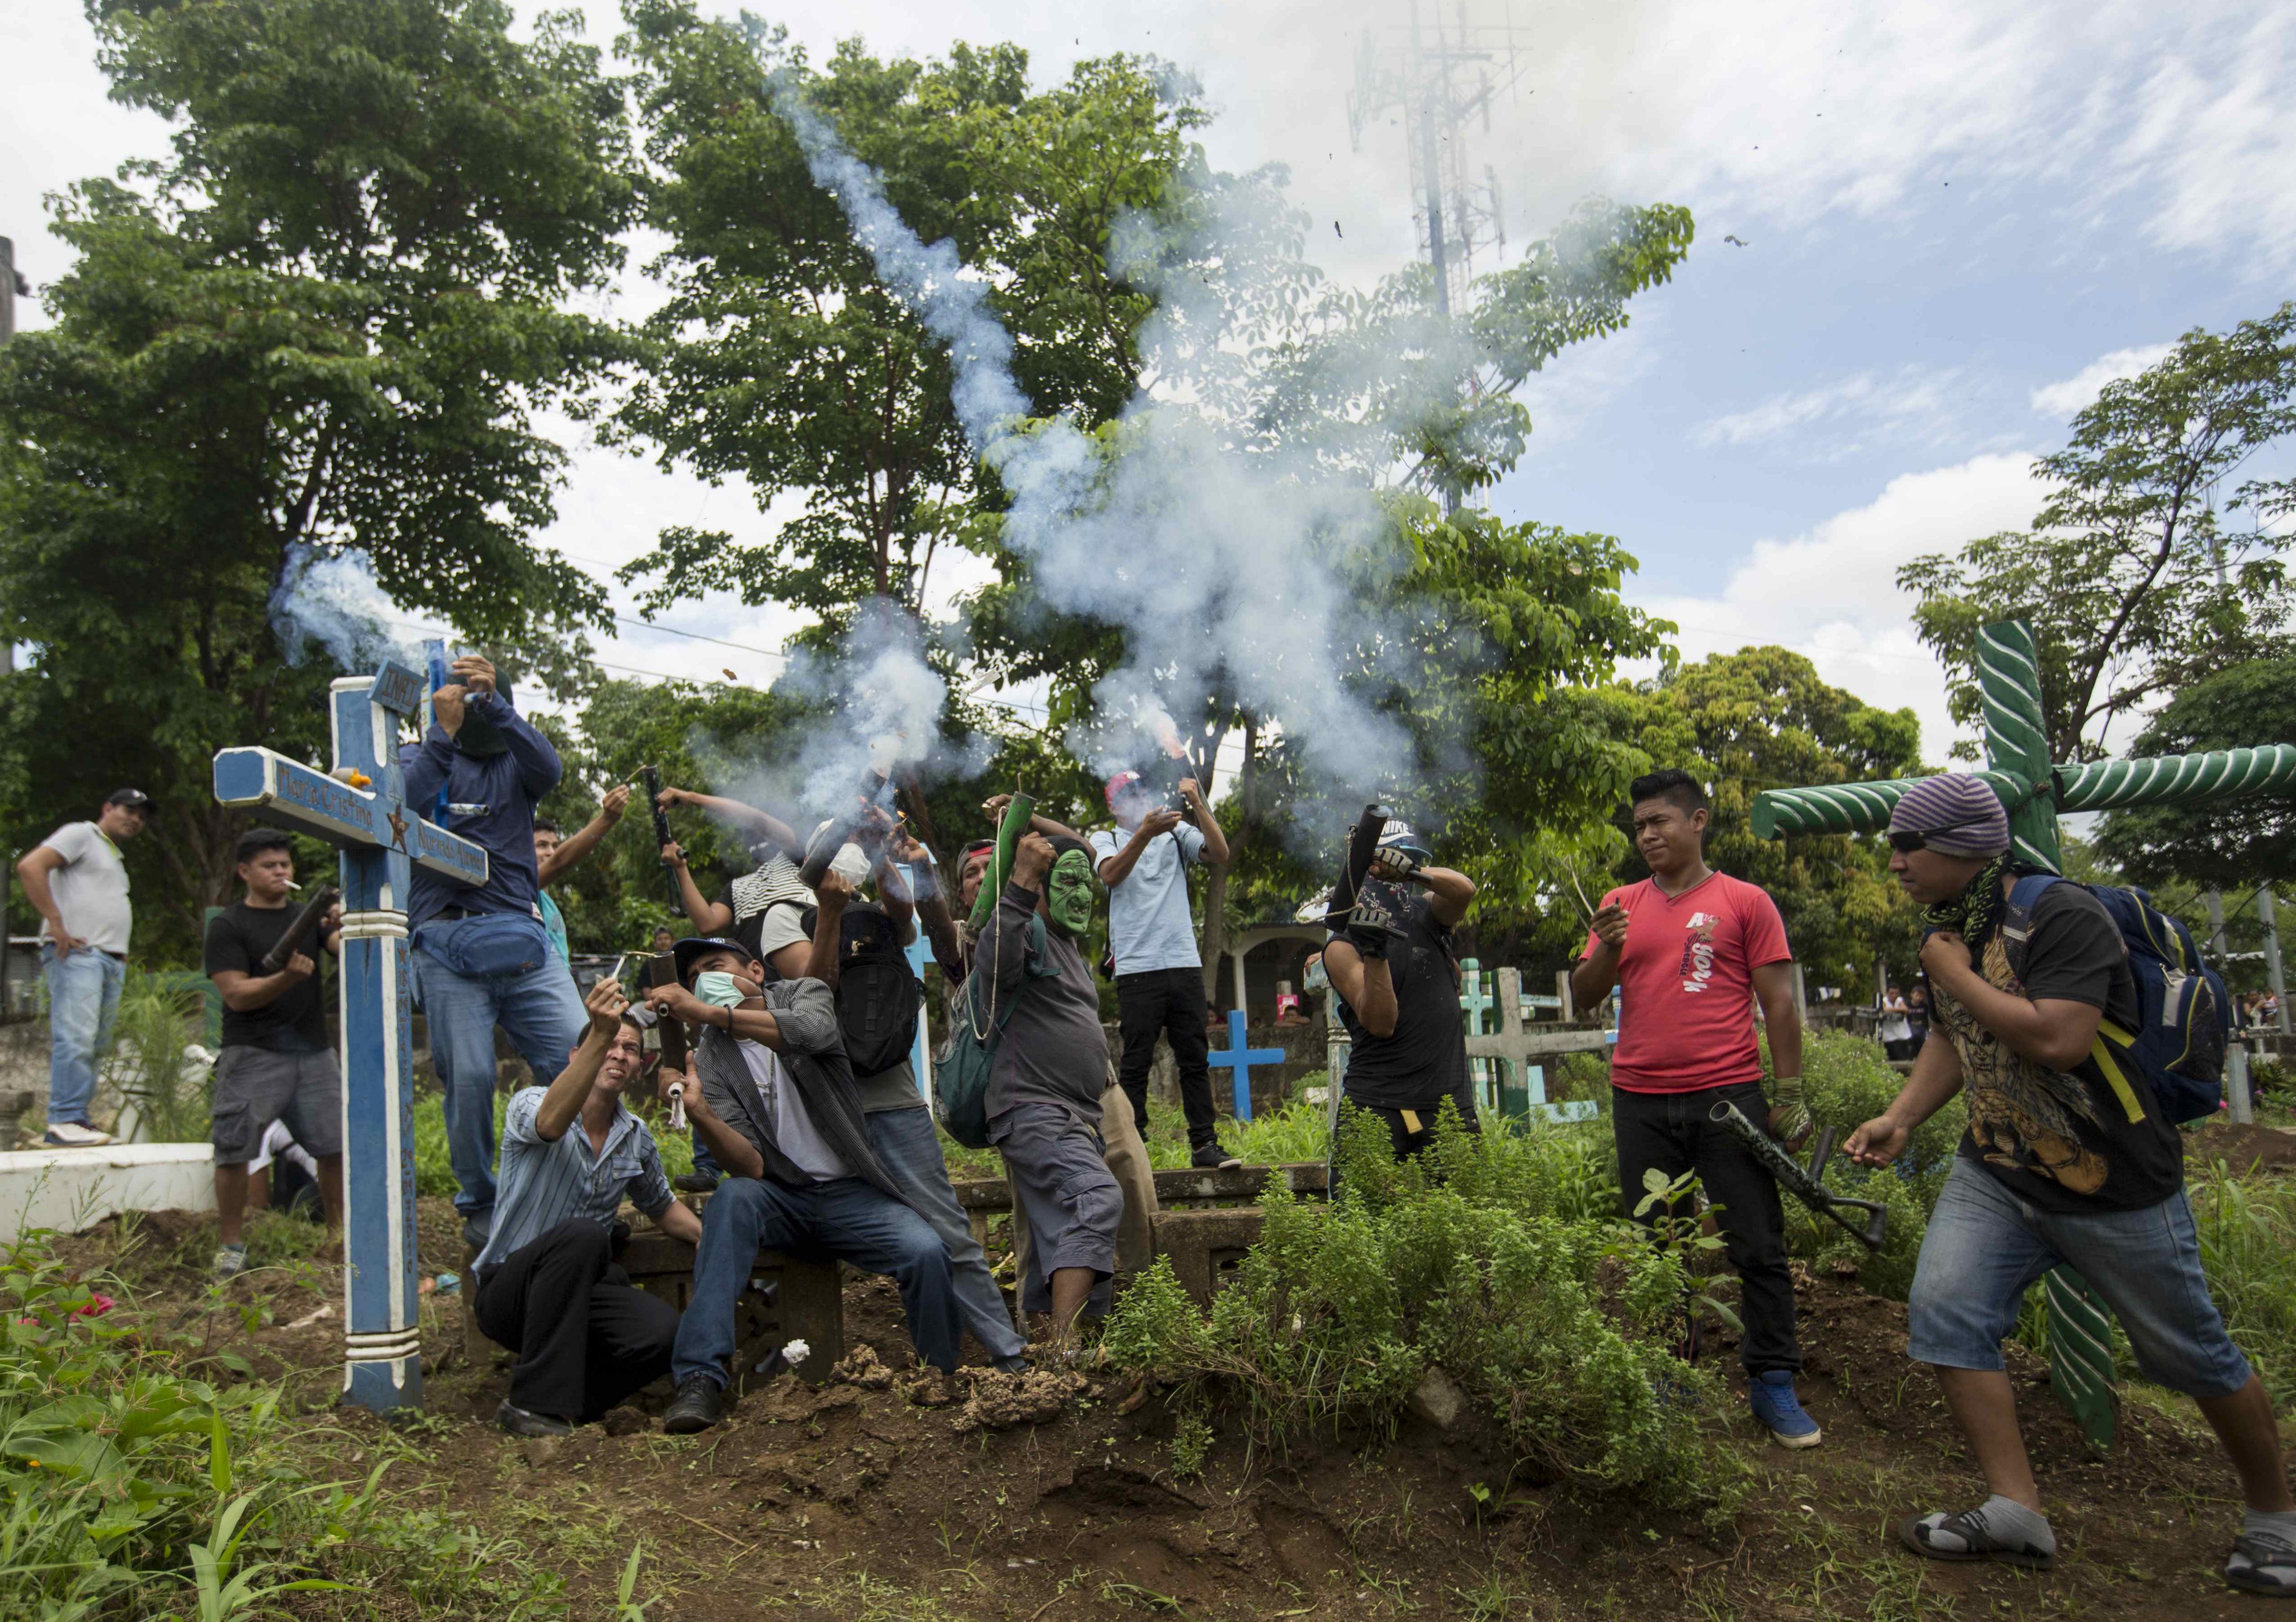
(361, 809)
(1239, 1058)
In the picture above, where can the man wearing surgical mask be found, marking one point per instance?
(801, 1174)
(1044, 1101)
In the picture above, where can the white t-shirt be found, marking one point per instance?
(1149, 924)
(91, 887)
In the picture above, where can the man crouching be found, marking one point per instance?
(779, 1110)
(548, 1288)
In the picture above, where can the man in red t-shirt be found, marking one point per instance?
(1690, 950)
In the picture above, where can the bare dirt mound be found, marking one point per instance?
(2243, 1146)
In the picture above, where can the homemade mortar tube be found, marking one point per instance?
(1017, 814)
(1806, 1186)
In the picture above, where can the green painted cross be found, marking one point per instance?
(2036, 791)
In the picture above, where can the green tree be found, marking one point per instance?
(325, 320)
(2236, 843)
(1761, 718)
(782, 357)
(2133, 586)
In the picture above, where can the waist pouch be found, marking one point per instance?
(492, 943)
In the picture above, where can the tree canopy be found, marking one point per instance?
(325, 320)
(2134, 586)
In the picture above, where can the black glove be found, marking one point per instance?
(1370, 926)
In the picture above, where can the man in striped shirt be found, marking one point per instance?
(548, 1288)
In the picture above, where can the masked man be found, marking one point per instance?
(2069, 1160)
(1397, 984)
(780, 1112)
(1050, 1070)
(482, 956)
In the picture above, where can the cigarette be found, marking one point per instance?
(292, 885)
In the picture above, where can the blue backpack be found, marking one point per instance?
(2185, 1022)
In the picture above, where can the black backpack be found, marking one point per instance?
(877, 994)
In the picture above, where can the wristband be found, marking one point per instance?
(1786, 1089)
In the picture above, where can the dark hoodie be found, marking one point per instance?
(508, 778)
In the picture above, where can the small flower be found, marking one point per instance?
(796, 1351)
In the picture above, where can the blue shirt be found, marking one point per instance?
(497, 795)
(543, 1183)
(1149, 924)
(553, 925)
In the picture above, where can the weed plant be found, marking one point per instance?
(1478, 1259)
(147, 1067)
(143, 1476)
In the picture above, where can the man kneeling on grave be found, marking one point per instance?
(778, 1091)
(548, 1288)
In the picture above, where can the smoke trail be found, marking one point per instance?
(1219, 563)
(334, 599)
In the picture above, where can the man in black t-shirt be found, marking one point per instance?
(1399, 994)
(276, 1063)
(2069, 1159)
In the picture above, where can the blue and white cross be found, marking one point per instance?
(381, 840)
(1239, 1058)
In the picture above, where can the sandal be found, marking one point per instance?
(2261, 1565)
(1934, 1535)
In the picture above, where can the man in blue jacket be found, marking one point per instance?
(482, 957)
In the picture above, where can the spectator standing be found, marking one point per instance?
(1159, 973)
(481, 956)
(78, 883)
(1917, 1018)
(277, 1063)
(1897, 1024)
(1691, 951)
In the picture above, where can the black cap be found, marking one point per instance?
(685, 951)
(127, 797)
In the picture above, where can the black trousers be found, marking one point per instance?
(586, 1337)
(1670, 1131)
(1168, 1003)
(1412, 1140)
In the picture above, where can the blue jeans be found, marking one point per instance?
(538, 1008)
(908, 1147)
(1985, 1246)
(83, 997)
(849, 1219)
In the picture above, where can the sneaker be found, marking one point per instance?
(1779, 1412)
(694, 1182)
(1211, 1157)
(230, 1262)
(518, 1422)
(75, 1134)
(2261, 1563)
(699, 1403)
(476, 1228)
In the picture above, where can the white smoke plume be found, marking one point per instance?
(1216, 560)
(332, 598)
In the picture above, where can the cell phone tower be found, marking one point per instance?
(1445, 75)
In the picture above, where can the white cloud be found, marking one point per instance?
(1913, 404)
(1832, 593)
(2068, 396)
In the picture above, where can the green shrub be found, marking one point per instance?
(2247, 1229)
(1475, 1260)
(138, 1478)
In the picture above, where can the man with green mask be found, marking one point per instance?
(1051, 1067)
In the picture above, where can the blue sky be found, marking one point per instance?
(1960, 219)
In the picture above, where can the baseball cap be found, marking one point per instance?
(685, 951)
(1397, 833)
(1118, 783)
(127, 797)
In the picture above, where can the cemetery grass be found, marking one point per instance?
(860, 1503)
